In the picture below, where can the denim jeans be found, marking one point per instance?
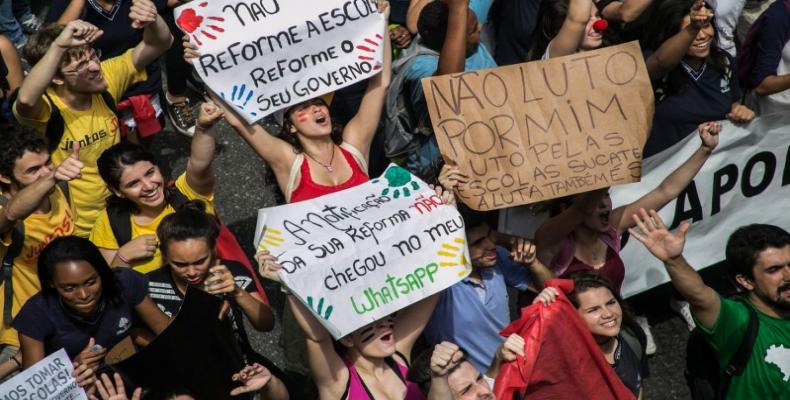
(9, 27)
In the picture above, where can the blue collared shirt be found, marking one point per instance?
(462, 318)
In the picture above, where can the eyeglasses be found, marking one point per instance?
(85, 57)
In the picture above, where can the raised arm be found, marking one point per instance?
(277, 153)
(410, 323)
(551, 233)
(68, 12)
(704, 301)
(571, 33)
(674, 183)
(360, 130)
(626, 10)
(672, 51)
(413, 14)
(29, 102)
(27, 200)
(326, 365)
(200, 174)
(453, 54)
(156, 34)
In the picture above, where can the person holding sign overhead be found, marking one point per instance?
(314, 157)
(371, 362)
(568, 27)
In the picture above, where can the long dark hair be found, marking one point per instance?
(664, 23)
(73, 248)
(293, 139)
(189, 222)
(111, 165)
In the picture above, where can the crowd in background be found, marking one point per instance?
(98, 245)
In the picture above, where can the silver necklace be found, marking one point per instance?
(328, 167)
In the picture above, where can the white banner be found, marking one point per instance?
(264, 55)
(358, 255)
(48, 379)
(746, 180)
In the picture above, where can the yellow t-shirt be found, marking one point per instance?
(96, 129)
(40, 229)
(102, 235)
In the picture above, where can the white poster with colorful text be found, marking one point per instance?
(745, 181)
(261, 56)
(48, 379)
(359, 255)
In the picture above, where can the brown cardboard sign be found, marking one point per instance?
(545, 129)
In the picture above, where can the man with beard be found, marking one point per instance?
(33, 212)
(759, 260)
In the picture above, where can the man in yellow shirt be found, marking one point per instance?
(33, 212)
(69, 81)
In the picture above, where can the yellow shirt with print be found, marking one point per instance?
(96, 129)
(102, 235)
(40, 229)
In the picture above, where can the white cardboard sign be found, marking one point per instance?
(261, 56)
(358, 255)
(48, 379)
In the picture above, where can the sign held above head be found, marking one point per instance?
(261, 56)
(546, 129)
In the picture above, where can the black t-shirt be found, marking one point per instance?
(168, 298)
(47, 319)
(707, 96)
(627, 365)
(118, 36)
(513, 22)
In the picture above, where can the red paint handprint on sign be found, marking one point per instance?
(190, 22)
(369, 46)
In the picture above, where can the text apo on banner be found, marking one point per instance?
(358, 255)
(545, 129)
(745, 181)
(48, 379)
(261, 56)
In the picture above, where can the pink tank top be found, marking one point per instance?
(308, 189)
(357, 390)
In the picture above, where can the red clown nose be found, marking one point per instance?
(600, 25)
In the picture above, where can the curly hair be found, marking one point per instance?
(16, 141)
(746, 243)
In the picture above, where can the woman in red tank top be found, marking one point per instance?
(321, 158)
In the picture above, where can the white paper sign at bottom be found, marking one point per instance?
(358, 255)
(48, 379)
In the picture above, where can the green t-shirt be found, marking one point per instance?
(767, 374)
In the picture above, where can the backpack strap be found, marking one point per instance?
(741, 357)
(56, 125)
(17, 241)
(109, 101)
(120, 223)
(121, 219)
(64, 187)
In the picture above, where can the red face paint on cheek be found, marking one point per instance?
(301, 116)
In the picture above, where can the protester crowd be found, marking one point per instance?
(98, 245)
